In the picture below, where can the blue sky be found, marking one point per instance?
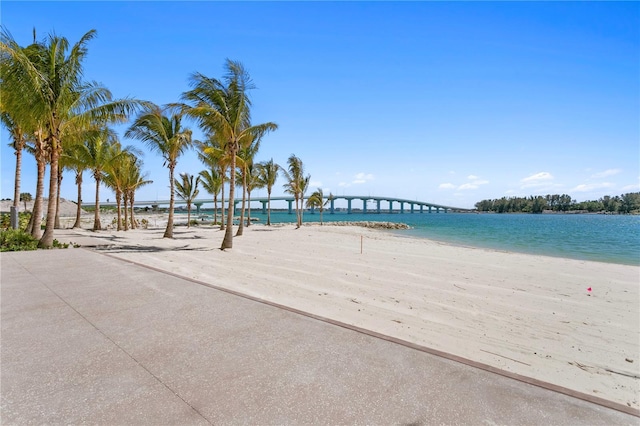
(445, 102)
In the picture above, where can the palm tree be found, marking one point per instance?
(99, 151)
(246, 155)
(187, 191)
(165, 135)
(268, 173)
(75, 163)
(134, 179)
(223, 109)
(36, 146)
(253, 182)
(49, 74)
(211, 181)
(18, 141)
(116, 174)
(214, 155)
(296, 185)
(316, 200)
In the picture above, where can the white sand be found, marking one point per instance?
(530, 315)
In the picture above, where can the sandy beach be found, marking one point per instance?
(530, 315)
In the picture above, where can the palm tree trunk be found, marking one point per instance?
(79, 207)
(131, 201)
(19, 144)
(188, 215)
(125, 201)
(244, 194)
(215, 208)
(57, 218)
(224, 172)
(36, 214)
(248, 208)
(227, 242)
(269, 207)
(168, 233)
(96, 216)
(119, 210)
(47, 238)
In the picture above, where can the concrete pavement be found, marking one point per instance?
(87, 338)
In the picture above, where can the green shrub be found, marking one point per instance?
(17, 240)
(23, 220)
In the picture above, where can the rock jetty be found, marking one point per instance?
(367, 224)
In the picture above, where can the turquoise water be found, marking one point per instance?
(603, 238)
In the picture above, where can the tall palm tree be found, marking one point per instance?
(36, 146)
(50, 75)
(166, 135)
(268, 172)
(297, 184)
(211, 181)
(188, 191)
(18, 141)
(316, 200)
(222, 108)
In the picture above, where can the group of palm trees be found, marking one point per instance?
(63, 120)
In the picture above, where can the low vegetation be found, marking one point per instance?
(17, 240)
(624, 204)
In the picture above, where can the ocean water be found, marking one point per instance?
(602, 238)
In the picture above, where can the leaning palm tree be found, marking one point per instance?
(49, 75)
(222, 108)
(166, 135)
(316, 200)
(188, 191)
(268, 172)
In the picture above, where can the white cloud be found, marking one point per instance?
(585, 187)
(343, 184)
(633, 187)
(542, 176)
(474, 184)
(446, 186)
(315, 184)
(610, 172)
(362, 178)
(537, 180)
(467, 186)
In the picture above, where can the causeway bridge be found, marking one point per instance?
(404, 205)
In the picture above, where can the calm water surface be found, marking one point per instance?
(603, 238)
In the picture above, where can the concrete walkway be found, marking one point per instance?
(91, 339)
